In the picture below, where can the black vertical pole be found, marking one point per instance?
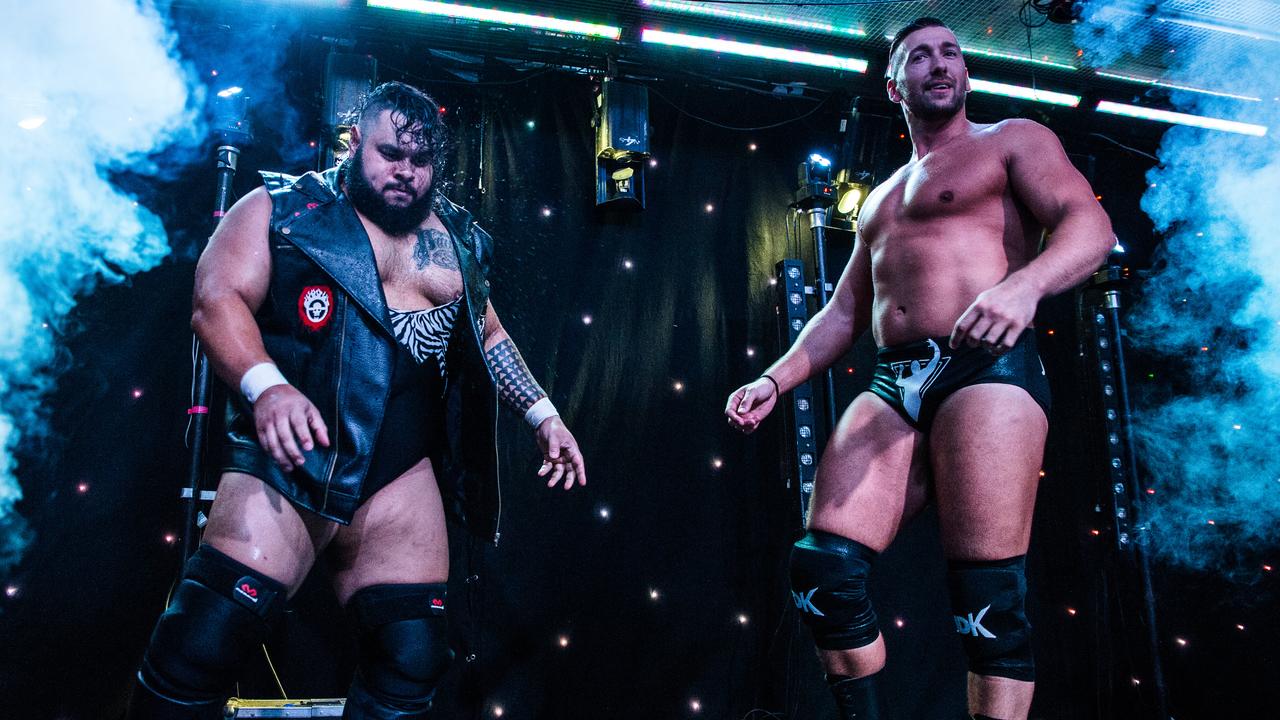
(227, 157)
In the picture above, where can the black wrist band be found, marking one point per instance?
(776, 389)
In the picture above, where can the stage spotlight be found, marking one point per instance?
(622, 144)
(849, 197)
(815, 186)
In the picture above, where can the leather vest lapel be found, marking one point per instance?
(333, 237)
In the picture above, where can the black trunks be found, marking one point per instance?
(916, 377)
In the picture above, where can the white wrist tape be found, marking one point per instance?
(540, 411)
(258, 378)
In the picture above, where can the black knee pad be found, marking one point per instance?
(219, 614)
(988, 599)
(404, 650)
(829, 586)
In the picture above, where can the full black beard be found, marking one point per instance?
(393, 220)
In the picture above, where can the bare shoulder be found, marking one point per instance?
(1020, 136)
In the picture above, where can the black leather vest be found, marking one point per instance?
(325, 324)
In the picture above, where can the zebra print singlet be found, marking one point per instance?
(425, 333)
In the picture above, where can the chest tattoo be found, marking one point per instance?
(434, 248)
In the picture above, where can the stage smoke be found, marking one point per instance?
(86, 88)
(1210, 306)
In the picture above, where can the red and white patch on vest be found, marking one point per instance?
(315, 306)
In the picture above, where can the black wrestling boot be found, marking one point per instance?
(148, 704)
(856, 697)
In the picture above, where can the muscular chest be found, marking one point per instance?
(950, 185)
(418, 271)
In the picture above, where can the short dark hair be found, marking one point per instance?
(416, 117)
(919, 23)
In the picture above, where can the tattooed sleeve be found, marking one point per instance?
(516, 385)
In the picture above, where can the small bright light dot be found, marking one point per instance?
(586, 319)
(137, 393)
(773, 281)
(236, 90)
(1212, 522)
(1041, 473)
(530, 124)
(1095, 532)
(32, 122)
(710, 208)
(546, 212)
(11, 591)
(312, 143)
(717, 463)
(752, 147)
(1050, 332)
(742, 619)
(1204, 348)
(564, 641)
(44, 325)
(83, 488)
(213, 73)
(1239, 626)
(1181, 641)
(677, 386)
(1151, 491)
(626, 263)
(1266, 568)
(694, 705)
(443, 109)
(1136, 681)
(751, 352)
(899, 622)
(497, 711)
(653, 162)
(1071, 611)
(170, 538)
(654, 594)
(1236, 427)
(604, 513)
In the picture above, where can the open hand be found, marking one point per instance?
(561, 458)
(288, 424)
(996, 318)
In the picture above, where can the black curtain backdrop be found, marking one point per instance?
(658, 591)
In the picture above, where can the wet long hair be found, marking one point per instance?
(415, 116)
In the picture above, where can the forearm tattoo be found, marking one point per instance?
(516, 385)
(434, 248)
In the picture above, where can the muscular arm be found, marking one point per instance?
(1060, 199)
(833, 330)
(516, 386)
(231, 282)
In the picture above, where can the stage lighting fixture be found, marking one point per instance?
(1178, 118)
(709, 9)
(815, 188)
(347, 78)
(622, 143)
(1025, 93)
(229, 118)
(501, 17)
(1174, 86)
(752, 50)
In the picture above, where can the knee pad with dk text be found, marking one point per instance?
(988, 599)
(221, 611)
(404, 650)
(829, 586)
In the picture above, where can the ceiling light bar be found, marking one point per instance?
(1025, 93)
(1178, 118)
(768, 52)
(1174, 86)
(1216, 27)
(1018, 58)
(708, 9)
(501, 17)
